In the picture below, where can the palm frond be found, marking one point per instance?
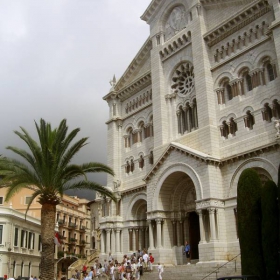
(33, 196)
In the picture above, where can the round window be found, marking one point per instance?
(183, 79)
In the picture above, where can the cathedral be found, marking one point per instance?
(198, 104)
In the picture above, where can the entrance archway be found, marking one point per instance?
(177, 197)
(138, 233)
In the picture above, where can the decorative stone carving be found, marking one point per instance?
(183, 80)
(176, 22)
(277, 127)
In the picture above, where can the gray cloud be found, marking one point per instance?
(57, 58)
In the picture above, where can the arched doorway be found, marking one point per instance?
(177, 198)
(138, 237)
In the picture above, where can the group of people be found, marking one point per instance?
(19, 278)
(130, 268)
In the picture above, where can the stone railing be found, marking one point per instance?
(78, 264)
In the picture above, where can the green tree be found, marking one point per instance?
(47, 171)
(269, 209)
(249, 223)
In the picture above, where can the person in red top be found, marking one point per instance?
(84, 269)
(151, 261)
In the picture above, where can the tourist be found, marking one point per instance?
(11, 278)
(106, 267)
(78, 274)
(151, 261)
(128, 270)
(31, 277)
(112, 271)
(110, 258)
(91, 273)
(188, 252)
(73, 277)
(86, 277)
(160, 271)
(145, 258)
(124, 277)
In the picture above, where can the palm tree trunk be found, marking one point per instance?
(47, 234)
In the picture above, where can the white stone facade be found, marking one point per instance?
(197, 106)
(20, 244)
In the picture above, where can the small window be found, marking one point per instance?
(16, 237)
(229, 92)
(1, 234)
(27, 199)
(1, 200)
(249, 82)
(270, 72)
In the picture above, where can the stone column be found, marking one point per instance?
(102, 242)
(136, 239)
(178, 230)
(118, 241)
(146, 237)
(141, 238)
(151, 238)
(108, 243)
(186, 224)
(113, 245)
(130, 234)
(174, 233)
(212, 223)
(158, 221)
(201, 226)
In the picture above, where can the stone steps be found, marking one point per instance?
(191, 272)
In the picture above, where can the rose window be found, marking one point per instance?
(183, 79)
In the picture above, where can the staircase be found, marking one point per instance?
(193, 272)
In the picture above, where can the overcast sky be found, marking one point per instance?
(56, 60)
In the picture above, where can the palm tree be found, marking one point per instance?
(49, 173)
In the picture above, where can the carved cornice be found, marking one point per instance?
(236, 22)
(175, 44)
(151, 9)
(206, 203)
(134, 190)
(219, 162)
(213, 4)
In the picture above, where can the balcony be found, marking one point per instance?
(72, 225)
(83, 228)
(61, 222)
(72, 240)
(83, 243)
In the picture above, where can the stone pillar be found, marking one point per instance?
(212, 223)
(141, 238)
(158, 221)
(178, 231)
(130, 234)
(118, 241)
(186, 222)
(113, 245)
(136, 239)
(201, 226)
(174, 233)
(146, 237)
(108, 241)
(151, 238)
(102, 242)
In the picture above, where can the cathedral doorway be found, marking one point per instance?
(138, 232)
(194, 234)
(176, 198)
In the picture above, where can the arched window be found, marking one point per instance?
(267, 113)
(151, 158)
(229, 91)
(141, 162)
(276, 109)
(127, 167)
(249, 120)
(232, 127)
(131, 165)
(224, 130)
(141, 131)
(248, 80)
(270, 72)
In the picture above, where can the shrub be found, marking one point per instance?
(249, 223)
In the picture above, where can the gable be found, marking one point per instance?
(139, 66)
(220, 11)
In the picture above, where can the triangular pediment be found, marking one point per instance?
(152, 10)
(185, 151)
(136, 76)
